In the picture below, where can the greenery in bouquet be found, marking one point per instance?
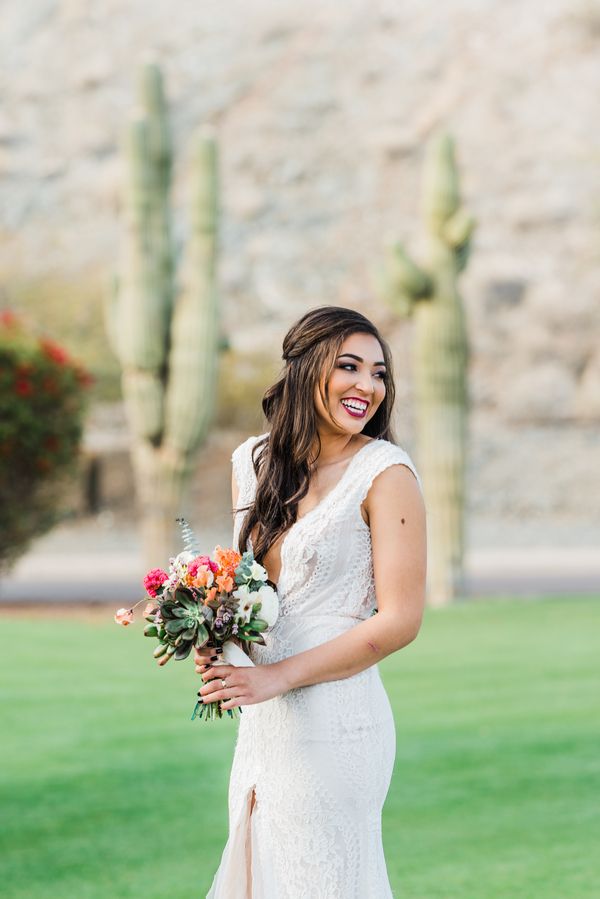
(42, 402)
(202, 601)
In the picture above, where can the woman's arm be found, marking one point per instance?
(396, 514)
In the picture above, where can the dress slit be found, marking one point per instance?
(234, 878)
(249, 842)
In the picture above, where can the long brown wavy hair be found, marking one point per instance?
(281, 459)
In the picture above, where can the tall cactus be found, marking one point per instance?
(429, 293)
(166, 339)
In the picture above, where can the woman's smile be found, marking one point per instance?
(355, 407)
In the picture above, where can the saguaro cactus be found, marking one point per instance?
(166, 337)
(429, 293)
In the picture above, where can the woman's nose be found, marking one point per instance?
(365, 384)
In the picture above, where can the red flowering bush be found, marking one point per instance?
(41, 411)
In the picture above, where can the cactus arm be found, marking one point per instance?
(143, 317)
(403, 282)
(457, 230)
(193, 360)
(151, 95)
(152, 99)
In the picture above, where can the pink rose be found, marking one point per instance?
(155, 579)
(124, 616)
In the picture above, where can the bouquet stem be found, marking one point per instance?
(212, 710)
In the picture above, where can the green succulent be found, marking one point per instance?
(179, 622)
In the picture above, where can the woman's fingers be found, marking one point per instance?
(214, 676)
(205, 655)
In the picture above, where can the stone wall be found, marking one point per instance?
(322, 109)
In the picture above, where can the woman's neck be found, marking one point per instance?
(334, 448)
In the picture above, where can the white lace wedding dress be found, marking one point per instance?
(320, 757)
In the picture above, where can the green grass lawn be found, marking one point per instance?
(108, 790)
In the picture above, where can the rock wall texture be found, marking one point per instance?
(322, 109)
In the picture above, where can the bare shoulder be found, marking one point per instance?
(396, 484)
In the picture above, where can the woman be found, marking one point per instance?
(333, 509)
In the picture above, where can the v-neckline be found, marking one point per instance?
(319, 505)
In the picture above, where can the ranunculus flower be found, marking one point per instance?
(199, 561)
(210, 595)
(124, 616)
(225, 583)
(204, 577)
(155, 579)
(206, 560)
(227, 560)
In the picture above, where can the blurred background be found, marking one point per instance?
(228, 166)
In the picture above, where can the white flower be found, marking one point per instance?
(269, 610)
(257, 572)
(246, 602)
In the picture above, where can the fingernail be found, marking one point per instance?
(214, 658)
(219, 649)
(204, 667)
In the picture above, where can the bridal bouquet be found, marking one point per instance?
(206, 601)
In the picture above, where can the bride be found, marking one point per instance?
(333, 509)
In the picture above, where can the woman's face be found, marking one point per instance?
(356, 385)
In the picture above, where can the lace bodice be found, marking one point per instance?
(326, 560)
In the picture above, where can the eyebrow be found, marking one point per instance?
(358, 358)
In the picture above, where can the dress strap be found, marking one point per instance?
(378, 460)
(243, 468)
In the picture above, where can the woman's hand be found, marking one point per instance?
(209, 654)
(244, 685)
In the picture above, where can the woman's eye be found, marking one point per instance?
(352, 366)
